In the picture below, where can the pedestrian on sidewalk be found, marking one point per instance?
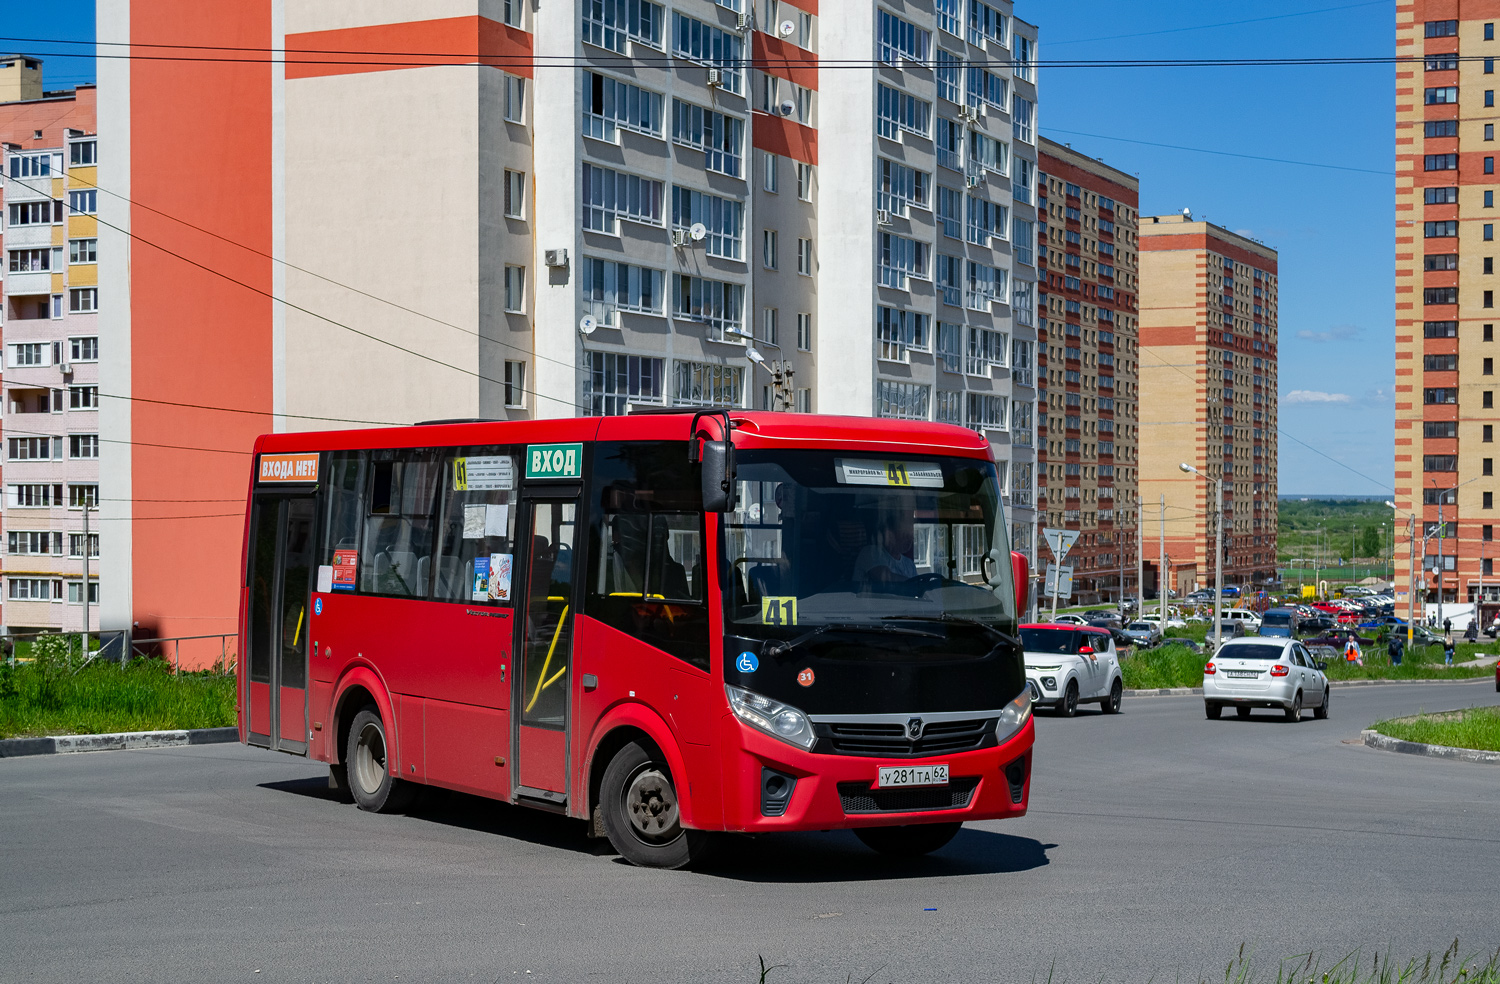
(1471, 634)
(1393, 647)
(1352, 653)
(1448, 651)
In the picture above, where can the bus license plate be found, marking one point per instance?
(911, 775)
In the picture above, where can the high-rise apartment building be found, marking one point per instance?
(49, 299)
(1445, 296)
(1208, 368)
(616, 203)
(1088, 433)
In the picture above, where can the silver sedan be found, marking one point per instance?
(1265, 672)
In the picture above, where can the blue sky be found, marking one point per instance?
(1333, 228)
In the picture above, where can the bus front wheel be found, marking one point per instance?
(368, 769)
(642, 815)
(910, 841)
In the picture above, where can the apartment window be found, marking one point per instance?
(80, 496)
(898, 186)
(1442, 29)
(35, 496)
(950, 354)
(1440, 196)
(33, 542)
(515, 194)
(904, 401)
(515, 384)
(75, 592)
(30, 260)
(1439, 363)
(985, 219)
(708, 45)
(515, 99)
(83, 398)
(897, 39)
(1441, 63)
(950, 206)
(804, 181)
(986, 285)
(29, 354)
(34, 589)
(1025, 180)
(900, 331)
(85, 349)
(804, 332)
(1440, 295)
(1439, 462)
(1441, 261)
(986, 24)
(770, 326)
(770, 179)
(949, 16)
(768, 249)
(1025, 57)
(947, 70)
(1440, 162)
(986, 351)
(949, 277)
(515, 289)
(1021, 112)
(992, 155)
(31, 165)
(897, 111)
(1439, 428)
(609, 196)
(610, 105)
(712, 302)
(721, 137)
(511, 12)
(83, 251)
(983, 87)
(901, 258)
(33, 448)
(615, 381)
(700, 384)
(608, 23)
(83, 300)
(35, 213)
(83, 445)
(608, 287)
(985, 412)
(724, 219)
(1440, 128)
(1440, 329)
(1441, 95)
(804, 400)
(1022, 233)
(805, 257)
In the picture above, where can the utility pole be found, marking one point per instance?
(84, 648)
(1411, 577)
(1161, 566)
(1140, 556)
(1437, 568)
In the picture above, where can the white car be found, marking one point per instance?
(1264, 672)
(1247, 619)
(1173, 621)
(1067, 665)
(1070, 620)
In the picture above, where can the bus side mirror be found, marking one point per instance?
(717, 458)
(1021, 571)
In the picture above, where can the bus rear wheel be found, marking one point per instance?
(641, 812)
(909, 841)
(370, 779)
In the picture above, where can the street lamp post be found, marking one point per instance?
(1218, 552)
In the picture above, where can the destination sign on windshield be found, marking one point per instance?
(898, 474)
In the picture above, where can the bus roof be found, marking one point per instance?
(752, 429)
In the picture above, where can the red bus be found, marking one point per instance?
(667, 624)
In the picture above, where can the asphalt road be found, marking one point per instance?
(1157, 842)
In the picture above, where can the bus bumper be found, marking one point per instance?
(836, 791)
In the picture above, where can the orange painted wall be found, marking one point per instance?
(20, 121)
(445, 41)
(201, 153)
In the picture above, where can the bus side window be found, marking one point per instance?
(647, 575)
(476, 540)
(396, 557)
(343, 516)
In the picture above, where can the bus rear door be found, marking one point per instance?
(281, 567)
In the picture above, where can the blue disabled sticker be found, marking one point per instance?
(747, 663)
(317, 606)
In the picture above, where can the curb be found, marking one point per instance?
(59, 744)
(1340, 684)
(1386, 743)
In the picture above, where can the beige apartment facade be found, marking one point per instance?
(1208, 368)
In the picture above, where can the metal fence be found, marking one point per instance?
(215, 653)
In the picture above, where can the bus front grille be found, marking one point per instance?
(938, 738)
(858, 797)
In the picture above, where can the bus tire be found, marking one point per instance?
(910, 841)
(370, 780)
(641, 815)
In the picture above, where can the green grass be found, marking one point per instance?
(1478, 727)
(51, 699)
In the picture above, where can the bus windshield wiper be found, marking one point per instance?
(959, 619)
(779, 648)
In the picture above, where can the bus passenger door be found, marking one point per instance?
(539, 708)
(281, 536)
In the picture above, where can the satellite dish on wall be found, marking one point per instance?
(787, 29)
(787, 107)
(587, 324)
(697, 231)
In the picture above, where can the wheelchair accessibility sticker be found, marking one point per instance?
(747, 663)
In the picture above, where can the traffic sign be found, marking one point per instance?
(1059, 580)
(1061, 541)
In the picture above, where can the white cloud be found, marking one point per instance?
(1314, 396)
(1338, 333)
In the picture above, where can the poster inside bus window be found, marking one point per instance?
(481, 474)
(492, 578)
(900, 474)
(345, 567)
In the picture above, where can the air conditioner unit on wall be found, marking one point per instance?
(679, 237)
(555, 257)
(715, 78)
(883, 216)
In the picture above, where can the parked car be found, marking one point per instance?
(1279, 673)
(1388, 621)
(1105, 621)
(1173, 621)
(1070, 620)
(1143, 633)
(1200, 597)
(1241, 616)
(1283, 622)
(1067, 666)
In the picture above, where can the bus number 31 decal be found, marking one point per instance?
(778, 610)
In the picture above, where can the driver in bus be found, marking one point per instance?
(889, 558)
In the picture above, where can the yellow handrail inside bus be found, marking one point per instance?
(542, 680)
(298, 634)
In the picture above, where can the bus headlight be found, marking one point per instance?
(771, 716)
(1014, 717)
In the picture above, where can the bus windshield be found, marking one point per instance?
(823, 537)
